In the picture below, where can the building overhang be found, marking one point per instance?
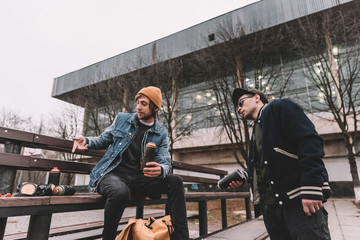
(253, 18)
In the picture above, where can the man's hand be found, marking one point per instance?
(152, 169)
(311, 206)
(80, 144)
(234, 184)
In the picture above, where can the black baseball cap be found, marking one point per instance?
(238, 92)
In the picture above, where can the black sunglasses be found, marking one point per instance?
(240, 103)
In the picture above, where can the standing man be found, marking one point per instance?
(117, 176)
(285, 167)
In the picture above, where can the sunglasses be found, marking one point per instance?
(241, 100)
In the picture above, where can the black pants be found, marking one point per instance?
(291, 223)
(117, 190)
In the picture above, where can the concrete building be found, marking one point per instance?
(261, 25)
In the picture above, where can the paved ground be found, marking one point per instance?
(247, 231)
(20, 224)
(344, 219)
(344, 222)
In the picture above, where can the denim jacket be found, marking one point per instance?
(117, 138)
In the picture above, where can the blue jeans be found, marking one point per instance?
(118, 190)
(291, 223)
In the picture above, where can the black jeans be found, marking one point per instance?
(117, 191)
(291, 223)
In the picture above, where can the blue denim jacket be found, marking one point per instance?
(117, 138)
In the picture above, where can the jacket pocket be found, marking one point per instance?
(279, 150)
(118, 133)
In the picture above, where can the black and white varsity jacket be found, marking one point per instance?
(292, 154)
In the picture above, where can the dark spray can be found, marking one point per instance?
(45, 189)
(54, 176)
(64, 190)
(27, 188)
(149, 155)
(237, 175)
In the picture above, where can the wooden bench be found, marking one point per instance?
(41, 208)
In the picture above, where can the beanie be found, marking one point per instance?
(153, 93)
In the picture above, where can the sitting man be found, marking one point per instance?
(117, 176)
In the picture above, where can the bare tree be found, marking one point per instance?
(10, 119)
(102, 101)
(330, 47)
(67, 124)
(233, 59)
(15, 120)
(168, 76)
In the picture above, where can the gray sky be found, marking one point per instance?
(44, 39)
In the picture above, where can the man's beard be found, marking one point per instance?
(146, 117)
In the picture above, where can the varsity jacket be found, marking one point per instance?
(292, 153)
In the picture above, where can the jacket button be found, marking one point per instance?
(119, 143)
(276, 195)
(280, 202)
(265, 162)
(271, 182)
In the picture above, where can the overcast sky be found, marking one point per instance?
(44, 39)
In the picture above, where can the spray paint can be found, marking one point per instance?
(149, 155)
(54, 176)
(64, 190)
(45, 190)
(27, 188)
(32, 189)
(237, 175)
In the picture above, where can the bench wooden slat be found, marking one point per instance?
(43, 164)
(54, 142)
(63, 145)
(12, 134)
(76, 199)
(64, 166)
(14, 160)
(96, 198)
(196, 196)
(196, 168)
(44, 142)
(198, 179)
(23, 201)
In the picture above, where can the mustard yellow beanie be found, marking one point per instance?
(153, 93)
